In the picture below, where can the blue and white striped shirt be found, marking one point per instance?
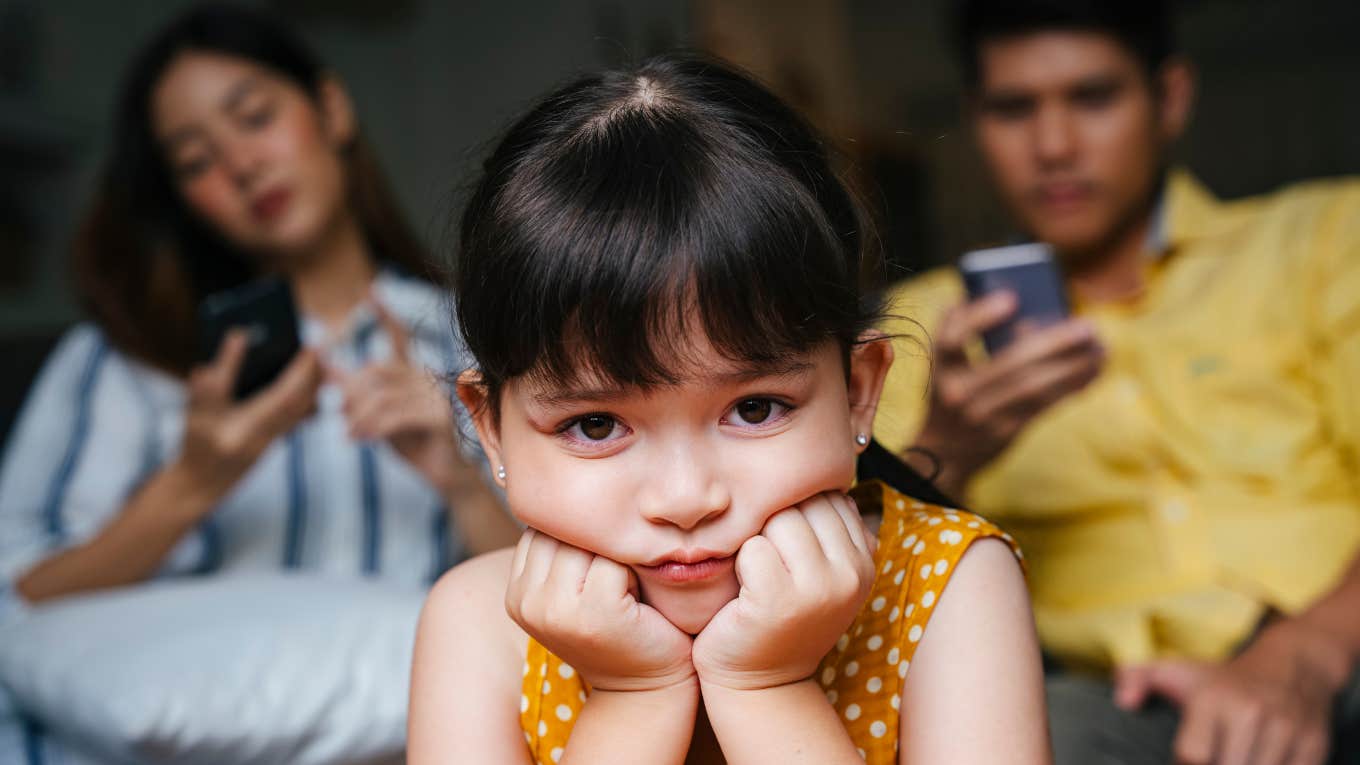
(97, 423)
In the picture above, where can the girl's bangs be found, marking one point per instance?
(647, 229)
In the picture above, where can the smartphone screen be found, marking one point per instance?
(266, 311)
(1029, 271)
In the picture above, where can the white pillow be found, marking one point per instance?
(231, 669)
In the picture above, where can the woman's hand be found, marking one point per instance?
(803, 579)
(584, 608)
(223, 437)
(403, 403)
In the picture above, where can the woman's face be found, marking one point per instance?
(670, 482)
(253, 155)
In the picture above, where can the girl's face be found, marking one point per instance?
(670, 482)
(253, 155)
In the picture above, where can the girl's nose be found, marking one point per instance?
(687, 491)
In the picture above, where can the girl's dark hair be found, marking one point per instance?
(142, 259)
(630, 205)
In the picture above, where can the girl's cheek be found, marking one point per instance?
(572, 505)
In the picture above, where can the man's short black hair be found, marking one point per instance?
(1143, 26)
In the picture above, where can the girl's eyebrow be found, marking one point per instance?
(566, 396)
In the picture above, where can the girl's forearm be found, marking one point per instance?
(633, 726)
(132, 546)
(787, 723)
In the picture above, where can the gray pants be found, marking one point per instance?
(1088, 729)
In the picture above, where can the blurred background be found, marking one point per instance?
(435, 80)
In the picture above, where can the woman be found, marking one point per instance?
(236, 155)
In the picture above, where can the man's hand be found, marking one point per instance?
(976, 410)
(1271, 705)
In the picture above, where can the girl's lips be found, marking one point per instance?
(676, 572)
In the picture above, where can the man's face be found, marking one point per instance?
(1068, 123)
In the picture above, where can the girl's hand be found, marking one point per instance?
(803, 579)
(223, 437)
(403, 403)
(584, 608)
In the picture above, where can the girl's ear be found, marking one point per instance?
(869, 363)
(473, 394)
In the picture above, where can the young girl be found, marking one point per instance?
(658, 280)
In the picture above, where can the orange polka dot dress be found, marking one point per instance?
(919, 546)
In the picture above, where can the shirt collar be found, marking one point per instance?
(1185, 211)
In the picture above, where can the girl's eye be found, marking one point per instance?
(757, 411)
(595, 427)
(754, 410)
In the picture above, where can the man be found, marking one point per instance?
(1181, 460)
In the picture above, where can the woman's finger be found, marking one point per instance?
(217, 379)
(397, 335)
(288, 399)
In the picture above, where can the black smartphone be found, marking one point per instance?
(1029, 271)
(266, 311)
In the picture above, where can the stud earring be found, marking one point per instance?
(862, 439)
(500, 472)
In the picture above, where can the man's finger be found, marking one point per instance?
(964, 322)
(1045, 384)
(1196, 740)
(1131, 687)
(1176, 680)
(1237, 729)
(1275, 743)
(1311, 749)
(1050, 342)
(397, 335)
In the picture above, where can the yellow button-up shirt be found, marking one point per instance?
(1213, 469)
